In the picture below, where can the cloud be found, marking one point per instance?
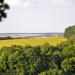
(13, 2)
(19, 3)
(37, 3)
(61, 2)
(27, 3)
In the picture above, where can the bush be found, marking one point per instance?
(70, 31)
(39, 60)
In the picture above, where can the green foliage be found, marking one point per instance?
(68, 65)
(39, 60)
(69, 32)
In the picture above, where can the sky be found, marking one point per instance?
(38, 16)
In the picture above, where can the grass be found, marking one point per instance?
(33, 41)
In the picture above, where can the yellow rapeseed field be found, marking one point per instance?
(32, 41)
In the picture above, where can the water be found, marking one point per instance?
(18, 35)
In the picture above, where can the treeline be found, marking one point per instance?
(39, 60)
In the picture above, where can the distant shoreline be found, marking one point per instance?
(27, 35)
(34, 33)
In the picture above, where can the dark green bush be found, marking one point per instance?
(69, 32)
(39, 60)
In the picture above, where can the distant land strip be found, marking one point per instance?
(27, 35)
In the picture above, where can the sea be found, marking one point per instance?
(30, 34)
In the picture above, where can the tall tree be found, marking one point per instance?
(3, 7)
(69, 32)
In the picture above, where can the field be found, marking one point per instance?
(32, 41)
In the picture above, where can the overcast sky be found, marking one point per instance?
(38, 16)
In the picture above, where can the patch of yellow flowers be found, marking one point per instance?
(33, 41)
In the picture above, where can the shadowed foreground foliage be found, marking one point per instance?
(3, 8)
(39, 60)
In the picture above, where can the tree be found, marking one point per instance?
(1, 1)
(68, 66)
(3, 7)
(69, 32)
(56, 57)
